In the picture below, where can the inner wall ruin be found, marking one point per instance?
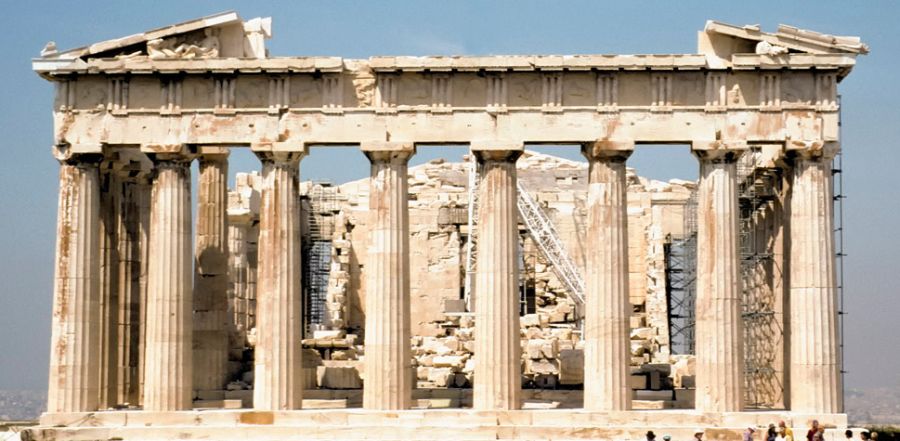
(598, 301)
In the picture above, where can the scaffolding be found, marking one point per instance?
(758, 191)
(837, 177)
(681, 276)
(541, 230)
(319, 206)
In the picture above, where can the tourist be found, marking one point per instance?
(819, 435)
(698, 434)
(748, 434)
(771, 433)
(848, 434)
(873, 436)
(667, 438)
(782, 435)
(864, 435)
(812, 430)
(787, 430)
(650, 435)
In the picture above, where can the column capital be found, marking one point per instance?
(74, 154)
(606, 149)
(493, 150)
(168, 152)
(812, 149)
(280, 151)
(212, 153)
(388, 150)
(718, 151)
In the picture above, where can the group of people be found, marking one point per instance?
(781, 432)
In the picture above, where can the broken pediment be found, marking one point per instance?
(721, 41)
(222, 35)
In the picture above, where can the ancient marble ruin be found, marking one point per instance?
(515, 295)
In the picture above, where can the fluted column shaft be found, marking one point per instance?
(75, 336)
(110, 200)
(607, 309)
(498, 363)
(134, 218)
(388, 363)
(815, 350)
(211, 320)
(168, 356)
(719, 348)
(277, 370)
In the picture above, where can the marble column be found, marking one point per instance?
(607, 309)
(388, 363)
(718, 330)
(498, 360)
(75, 336)
(278, 380)
(815, 351)
(110, 199)
(168, 356)
(211, 322)
(134, 217)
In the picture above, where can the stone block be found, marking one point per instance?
(571, 366)
(454, 305)
(637, 321)
(688, 381)
(637, 381)
(330, 377)
(441, 377)
(530, 320)
(455, 362)
(546, 367)
(533, 349)
(665, 395)
(549, 348)
(654, 380)
(642, 333)
(546, 381)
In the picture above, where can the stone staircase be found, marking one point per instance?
(451, 424)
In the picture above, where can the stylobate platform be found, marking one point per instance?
(432, 424)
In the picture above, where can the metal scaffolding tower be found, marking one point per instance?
(681, 278)
(541, 230)
(758, 191)
(319, 207)
(837, 174)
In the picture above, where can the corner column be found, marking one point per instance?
(75, 336)
(498, 360)
(607, 310)
(388, 366)
(815, 351)
(168, 353)
(211, 272)
(719, 337)
(278, 380)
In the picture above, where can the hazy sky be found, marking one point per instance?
(28, 173)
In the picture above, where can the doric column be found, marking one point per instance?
(607, 310)
(388, 363)
(719, 347)
(277, 371)
(110, 199)
(498, 361)
(133, 223)
(75, 337)
(168, 356)
(211, 320)
(815, 351)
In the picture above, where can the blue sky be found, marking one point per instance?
(28, 173)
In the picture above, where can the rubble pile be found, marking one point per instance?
(337, 297)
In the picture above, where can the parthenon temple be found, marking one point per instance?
(511, 295)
